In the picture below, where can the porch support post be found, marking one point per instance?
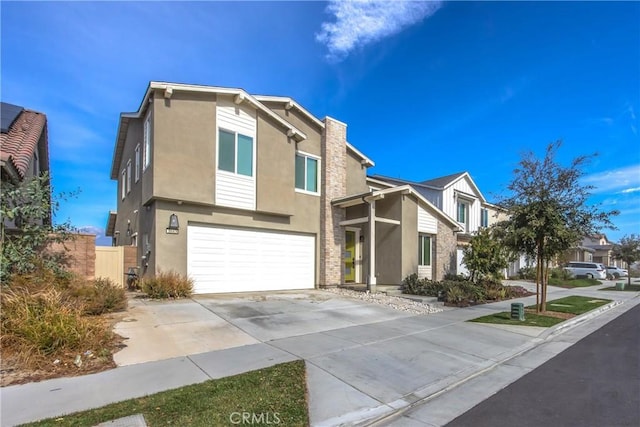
(371, 283)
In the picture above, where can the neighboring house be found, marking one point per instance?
(24, 147)
(457, 197)
(602, 250)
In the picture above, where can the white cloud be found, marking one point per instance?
(624, 180)
(630, 190)
(359, 23)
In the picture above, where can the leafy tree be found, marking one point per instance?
(26, 230)
(628, 250)
(485, 255)
(549, 212)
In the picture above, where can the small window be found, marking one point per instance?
(306, 174)
(123, 184)
(235, 153)
(462, 212)
(137, 160)
(484, 217)
(134, 239)
(129, 176)
(147, 142)
(424, 250)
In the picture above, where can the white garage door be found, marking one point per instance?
(221, 259)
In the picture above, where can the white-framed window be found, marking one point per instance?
(123, 184)
(484, 217)
(463, 214)
(134, 239)
(129, 176)
(307, 176)
(147, 142)
(137, 160)
(424, 249)
(235, 152)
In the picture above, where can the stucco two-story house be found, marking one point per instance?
(253, 193)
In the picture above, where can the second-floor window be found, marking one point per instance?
(123, 184)
(147, 142)
(484, 217)
(462, 212)
(307, 173)
(137, 160)
(235, 153)
(128, 176)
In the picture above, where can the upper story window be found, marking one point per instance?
(123, 184)
(128, 176)
(35, 164)
(424, 249)
(235, 153)
(463, 214)
(307, 173)
(484, 217)
(147, 142)
(137, 160)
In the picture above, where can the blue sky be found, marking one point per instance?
(427, 89)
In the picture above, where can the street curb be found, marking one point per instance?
(555, 331)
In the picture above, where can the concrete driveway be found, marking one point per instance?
(157, 330)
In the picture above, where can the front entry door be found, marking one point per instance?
(350, 256)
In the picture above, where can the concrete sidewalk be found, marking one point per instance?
(356, 374)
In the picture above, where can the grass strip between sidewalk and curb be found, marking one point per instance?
(627, 288)
(573, 283)
(574, 305)
(276, 395)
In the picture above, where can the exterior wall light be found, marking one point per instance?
(174, 225)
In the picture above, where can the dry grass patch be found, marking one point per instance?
(50, 326)
(167, 284)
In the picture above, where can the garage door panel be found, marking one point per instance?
(221, 259)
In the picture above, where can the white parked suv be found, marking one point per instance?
(591, 270)
(616, 272)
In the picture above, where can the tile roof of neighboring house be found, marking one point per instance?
(443, 181)
(19, 139)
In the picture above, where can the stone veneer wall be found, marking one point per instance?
(333, 185)
(446, 246)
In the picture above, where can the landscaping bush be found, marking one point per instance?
(527, 273)
(100, 296)
(560, 274)
(38, 324)
(167, 285)
(463, 292)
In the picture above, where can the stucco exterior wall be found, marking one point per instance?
(409, 237)
(356, 174)
(389, 245)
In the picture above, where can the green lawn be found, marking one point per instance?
(627, 288)
(504, 318)
(574, 304)
(275, 395)
(573, 283)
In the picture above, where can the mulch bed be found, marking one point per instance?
(556, 314)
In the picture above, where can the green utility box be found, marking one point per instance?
(517, 311)
(620, 286)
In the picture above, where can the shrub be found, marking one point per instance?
(413, 285)
(167, 285)
(46, 322)
(527, 273)
(100, 296)
(560, 273)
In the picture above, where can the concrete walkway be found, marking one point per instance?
(358, 372)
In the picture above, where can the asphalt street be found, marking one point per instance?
(595, 382)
